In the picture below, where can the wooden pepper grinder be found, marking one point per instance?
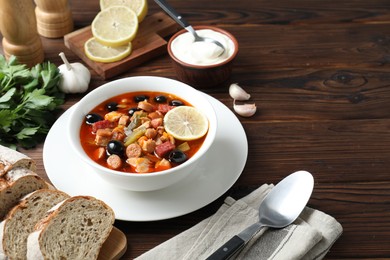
(54, 18)
(20, 36)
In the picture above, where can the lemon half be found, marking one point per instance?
(115, 26)
(186, 123)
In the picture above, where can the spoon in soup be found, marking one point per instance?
(180, 20)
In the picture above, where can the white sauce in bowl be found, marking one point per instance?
(202, 53)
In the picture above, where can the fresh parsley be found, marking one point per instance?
(29, 100)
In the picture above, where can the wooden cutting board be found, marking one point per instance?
(114, 247)
(149, 43)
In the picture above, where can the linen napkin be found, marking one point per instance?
(309, 237)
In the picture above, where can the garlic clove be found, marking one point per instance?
(75, 77)
(238, 93)
(245, 110)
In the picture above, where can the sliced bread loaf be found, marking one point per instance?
(17, 183)
(21, 220)
(10, 158)
(75, 229)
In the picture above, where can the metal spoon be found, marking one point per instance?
(180, 20)
(279, 208)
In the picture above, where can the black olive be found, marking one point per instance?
(115, 147)
(133, 110)
(160, 99)
(112, 106)
(140, 98)
(92, 118)
(177, 156)
(176, 103)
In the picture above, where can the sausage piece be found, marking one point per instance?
(163, 149)
(133, 150)
(114, 161)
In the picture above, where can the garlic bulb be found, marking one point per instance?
(245, 110)
(75, 77)
(238, 93)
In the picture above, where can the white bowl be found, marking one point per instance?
(135, 181)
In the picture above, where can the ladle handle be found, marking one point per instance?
(172, 12)
(228, 249)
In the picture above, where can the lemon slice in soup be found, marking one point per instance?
(186, 123)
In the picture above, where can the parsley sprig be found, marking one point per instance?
(29, 100)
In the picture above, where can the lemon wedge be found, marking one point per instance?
(102, 53)
(115, 26)
(140, 7)
(186, 123)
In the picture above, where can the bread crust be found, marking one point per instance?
(17, 183)
(88, 222)
(21, 219)
(10, 158)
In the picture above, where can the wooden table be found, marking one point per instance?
(319, 74)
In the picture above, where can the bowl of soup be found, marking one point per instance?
(142, 133)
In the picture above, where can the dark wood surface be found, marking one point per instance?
(319, 72)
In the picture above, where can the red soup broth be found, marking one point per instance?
(125, 102)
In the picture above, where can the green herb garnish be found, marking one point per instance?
(29, 99)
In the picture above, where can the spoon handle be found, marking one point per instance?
(172, 12)
(228, 249)
(236, 243)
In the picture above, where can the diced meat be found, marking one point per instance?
(113, 116)
(114, 161)
(149, 145)
(118, 133)
(124, 120)
(155, 114)
(139, 164)
(151, 133)
(155, 123)
(103, 136)
(164, 108)
(160, 130)
(133, 150)
(146, 106)
(163, 149)
(101, 125)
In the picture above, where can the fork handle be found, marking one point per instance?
(172, 12)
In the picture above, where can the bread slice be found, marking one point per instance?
(17, 183)
(21, 220)
(75, 229)
(10, 158)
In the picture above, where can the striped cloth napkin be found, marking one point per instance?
(309, 237)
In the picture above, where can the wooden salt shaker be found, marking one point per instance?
(54, 18)
(20, 36)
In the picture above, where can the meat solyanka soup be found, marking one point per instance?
(127, 133)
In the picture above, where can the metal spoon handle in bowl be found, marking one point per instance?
(183, 23)
(172, 12)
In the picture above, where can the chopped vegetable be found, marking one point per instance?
(28, 100)
(184, 147)
(135, 135)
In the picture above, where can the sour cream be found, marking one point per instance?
(187, 50)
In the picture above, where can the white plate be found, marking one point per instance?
(215, 174)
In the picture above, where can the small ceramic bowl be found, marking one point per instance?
(203, 76)
(136, 181)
